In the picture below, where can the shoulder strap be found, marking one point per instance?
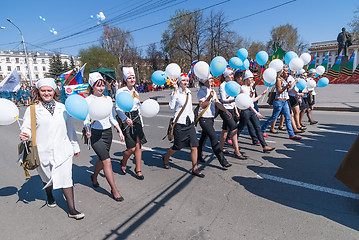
(33, 124)
(180, 113)
(204, 110)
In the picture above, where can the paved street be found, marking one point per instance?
(288, 194)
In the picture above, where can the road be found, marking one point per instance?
(288, 194)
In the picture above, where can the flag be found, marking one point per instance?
(76, 89)
(11, 83)
(278, 52)
(77, 79)
(63, 77)
(355, 76)
(325, 62)
(312, 63)
(334, 71)
(346, 72)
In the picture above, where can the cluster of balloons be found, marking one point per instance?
(100, 17)
(172, 71)
(9, 112)
(52, 30)
(42, 18)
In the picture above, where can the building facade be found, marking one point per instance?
(321, 49)
(39, 64)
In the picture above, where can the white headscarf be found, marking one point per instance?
(46, 82)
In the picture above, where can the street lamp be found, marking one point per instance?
(23, 44)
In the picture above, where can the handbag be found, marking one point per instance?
(29, 155)
(271, 96)
(310, 99)
(172, 124)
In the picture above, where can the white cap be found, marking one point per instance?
(312, 70)
(227, 72)
(248, 74)
(46, 82)
(93, 77)
(301, 71)
(181, 77)
(206, 79)
(128, 71)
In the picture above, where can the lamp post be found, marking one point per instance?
(23, 44)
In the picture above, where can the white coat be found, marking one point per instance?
(56, 142)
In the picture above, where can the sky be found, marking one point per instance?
(316, 20)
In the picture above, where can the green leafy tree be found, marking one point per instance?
(72, 63)
(288, 38)
(354, 24)
(96, 57)
(65, 67)
(254, 48)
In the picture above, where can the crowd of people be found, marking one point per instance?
(21, 96)
(56, 152)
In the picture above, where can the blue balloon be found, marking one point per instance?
(77, 107)
(159, 77)
(289, 56)
(232, 88)
(242, 54)
(269, 84)
(262, 58)
(323, 82)
(245, 65)
(235, 63)
(301, 84)
(218, 66)
(124, 101)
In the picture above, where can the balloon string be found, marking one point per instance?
(129, 125)
(264, 96)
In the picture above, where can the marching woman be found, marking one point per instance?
(229, 125)
(100, 134)
(208, 100)
(184, 131)
(132, 124)
(280, 102)
(56, 142)
(251, 114)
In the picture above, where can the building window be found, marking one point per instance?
(330, 53)
(7, 59)
(34, 61)
(18, 68)
(17, 60)
(323, 54)
(317, 61)
(43, 61)
(35, 68)
(9, 68)
(44, 69)
(37, 76)
(0, 68)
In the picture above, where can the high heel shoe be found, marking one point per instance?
(139, 177)
(197, 174)
(95, 185)
(123, 170)
(117, 199)
(166, 166)
(241, 157)
(268, 150)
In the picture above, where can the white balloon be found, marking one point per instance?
(100, 108)
(296, 64)
(320, 70)
(173, 71)
(54, 32)
(8, 111)
(243, 101)
(311, 84)
(270, 75)
(276, 64)
(306, 58)
(150, 108)
(201, 70)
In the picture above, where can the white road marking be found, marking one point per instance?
(123, 143)
(310, 186)
(342, 132)
(160, 126)
(270, 141)
(339, 150)
(306, 146)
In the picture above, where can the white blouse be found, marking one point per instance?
(202, 95)
(225, 98)
(103, 123)
(177, 102)
(136, 103)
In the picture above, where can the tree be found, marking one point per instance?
(119, 43)
(65, 67)
(183, 40)
(288, 38)
(254, 48)
(354, 24)
(96, 57)
(56, 67)
(72, 63)
(154, 56)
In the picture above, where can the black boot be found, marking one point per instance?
(223, 161)
(199, 157)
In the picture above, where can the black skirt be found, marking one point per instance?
(131, 133)
(101, 142)
(184, 136)
(228, 122)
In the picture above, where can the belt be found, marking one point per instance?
(282, 99)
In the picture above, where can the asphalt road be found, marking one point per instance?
(288, 194)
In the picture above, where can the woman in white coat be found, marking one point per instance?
(56, 142)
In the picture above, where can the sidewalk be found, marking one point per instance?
(334, 97)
